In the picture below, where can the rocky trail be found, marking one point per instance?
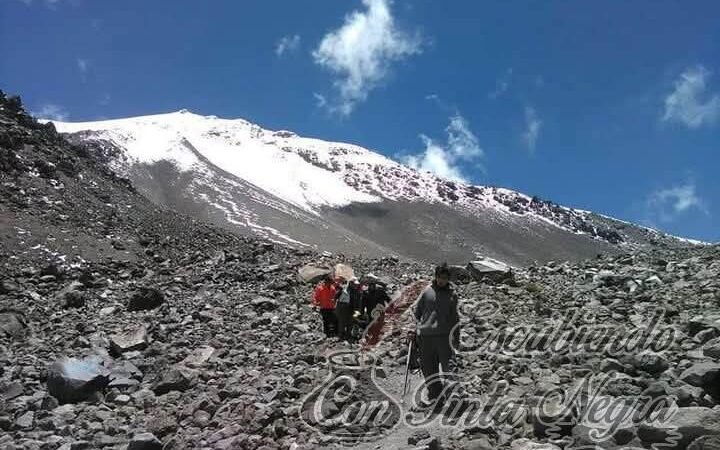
(184, 336)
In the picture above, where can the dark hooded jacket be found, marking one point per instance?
(436, 311)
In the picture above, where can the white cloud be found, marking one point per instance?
(50, 111)
(668, 204)
(688, 104)
(533, 124)
(49, 3)
(287, 44)
(320, 100)
(362, 50)
(502, 84)
(83, 65)
(446, 161)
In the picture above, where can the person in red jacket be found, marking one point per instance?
(324, 298)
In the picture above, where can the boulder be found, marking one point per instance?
(459, 274)
(527, 444)
(707, 334)
(264, 304)
(199, 356)
(26, 421)
(699, 323)
(12, 324)
(343, 270)
(312, 274)
(705, 443)
(176, 379)
(705, 375)
(489, 269)
(72, 380)
(651, 363)
(552, 417)
(712, 348)
(145, 299)
(685, 426)
(136, 339)
(145, 441)
(418, 436)
(72, 295)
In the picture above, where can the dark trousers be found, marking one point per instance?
(344, 319)
(434, 352)
(329, 322)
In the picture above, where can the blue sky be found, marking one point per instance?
(610, 106)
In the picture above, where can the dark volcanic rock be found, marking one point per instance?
(72, 380)
(145, 441)
(175, 379)
(146, 299)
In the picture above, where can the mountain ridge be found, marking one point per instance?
(297, 180)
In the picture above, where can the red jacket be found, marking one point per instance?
(324, 296)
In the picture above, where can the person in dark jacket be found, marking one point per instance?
(437, 319)
(356, 294)
(343, 308)
(375, 295)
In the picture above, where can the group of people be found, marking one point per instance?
(341, 300)
(436, 331)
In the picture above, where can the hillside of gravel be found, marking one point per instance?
(127, 326)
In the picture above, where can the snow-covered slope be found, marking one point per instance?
(255, 179)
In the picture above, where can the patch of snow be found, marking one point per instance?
(305, 172)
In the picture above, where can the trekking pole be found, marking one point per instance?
(407, 370)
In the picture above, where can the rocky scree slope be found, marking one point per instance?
(208, 341)
(203, 337)
(625, 294)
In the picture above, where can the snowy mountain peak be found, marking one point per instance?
(310, 174)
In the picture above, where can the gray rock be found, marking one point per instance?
(489, 268)
(107, 311)
(611, 364)
(72, 295)
(175, 379)
(72, 380)
(706, 335)
(11, 391)
(146, 299)
(459, 274)
(705, 443)
(301, 327)
(705, 375)
(527, 444)
(25, 421)
(145, 441)
(712, 348)
(135, 339)
(199, 356)
(264, 304)
(5, 423)
(651, 363)
(311, 273)
(12, 324)
(691, 423)
(122, 399)
(417, 436)
(480, 443)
